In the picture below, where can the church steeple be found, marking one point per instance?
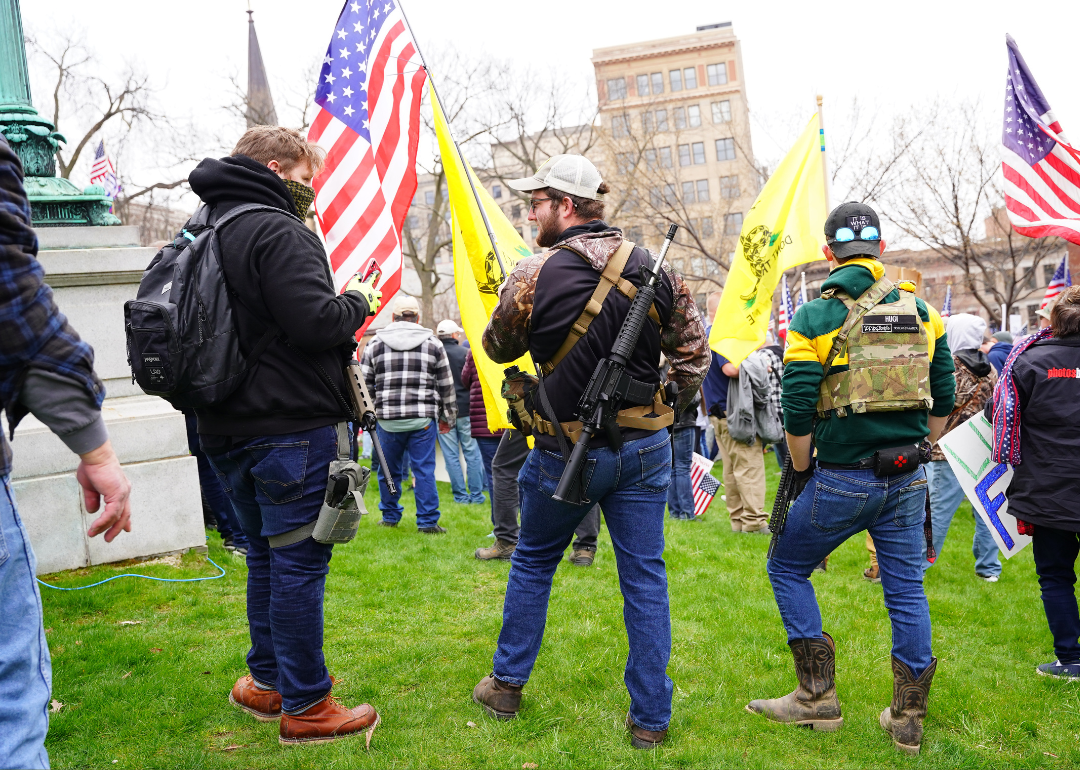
(260, 104)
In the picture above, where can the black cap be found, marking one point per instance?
(856, 216)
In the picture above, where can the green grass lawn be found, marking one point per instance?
(411, 625)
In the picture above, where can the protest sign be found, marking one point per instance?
(968, 450)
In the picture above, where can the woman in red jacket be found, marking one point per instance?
(487, 440)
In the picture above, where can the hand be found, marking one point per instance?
(802, 478)
(101, 476)
(370, 294)
(444, 427)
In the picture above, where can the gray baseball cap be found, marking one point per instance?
(572, 174)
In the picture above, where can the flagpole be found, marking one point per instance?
(824, 160)
(802, 292)
(476, 194)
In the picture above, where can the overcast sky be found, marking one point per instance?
(892, 54)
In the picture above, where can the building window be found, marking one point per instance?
(684, 155)
(1033, 319)
(515, 212)
(670, 196)
(650, 159)
(648, 125)
(693, 113)
(725, 149)
(654, 197)
(642, 85)
(535, 230)
(429, 197)
(688, 192)
(414, 221)
(620, 125)
(521, 232)
(702, 190)
(717, 74)
(689, 78)
(680, 117)
(616, 88)
(699, 153)
(661, 120)
(732, 224)
(657, 83)
(496, 191)
(721, 112)
(624, 162)
(729, 187)
(665, 157)
(1048, 273)
(675, 76)
(706, 227)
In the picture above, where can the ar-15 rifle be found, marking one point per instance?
(784, 498)
(365, 414)
(599, 405)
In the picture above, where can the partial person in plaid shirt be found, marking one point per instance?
(407, 370)
(46, 370)
(774, 356)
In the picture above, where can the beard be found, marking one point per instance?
(548, 231)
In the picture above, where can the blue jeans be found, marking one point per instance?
(488, 445)
(212, 493)
(420, 445)
(461, 435)
(680, 496)
(835, 505)
(25, 666)
(946, 496)
(631, 487)
(276, 484)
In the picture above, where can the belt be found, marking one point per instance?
(866, 463)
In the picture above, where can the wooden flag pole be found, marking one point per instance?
(824, 163)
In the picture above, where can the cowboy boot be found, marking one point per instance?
(903, 718)
(814, 702)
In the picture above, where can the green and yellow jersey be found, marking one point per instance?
(813, 329)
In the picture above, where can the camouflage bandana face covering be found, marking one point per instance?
(302, 196)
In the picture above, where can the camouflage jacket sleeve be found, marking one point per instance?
(684, 342)
(506, 337)
(972, 393)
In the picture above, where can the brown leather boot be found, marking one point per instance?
(903, 718)
(328, 720)
(640, 738)
(500, 699)
(264, 705)
(814, 702)
(502, 550)
(582, 557)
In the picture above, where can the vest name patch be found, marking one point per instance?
(890, 324)
(1070, 374)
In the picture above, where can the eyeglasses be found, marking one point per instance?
(846, 234)
(534, 202)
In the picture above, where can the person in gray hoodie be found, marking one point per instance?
(406, 369)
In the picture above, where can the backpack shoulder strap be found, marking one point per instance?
(610, 277)
(861, 307)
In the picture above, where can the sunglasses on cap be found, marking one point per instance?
(846, 234)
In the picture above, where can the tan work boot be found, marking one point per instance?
(264, 705)
(501, 550)
(903, 718)
(640, 738)
(582, 557)
(872, 573)
(814, 702)
(500, 699)
(328, 720)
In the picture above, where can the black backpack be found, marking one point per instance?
(182, 341)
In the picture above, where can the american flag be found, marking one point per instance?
(704, 485)
(103, 172)
(786, 310)
(946, 308)
(369, 90)
(1042, 172)
(1061, 281)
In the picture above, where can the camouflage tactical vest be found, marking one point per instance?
(888, 355)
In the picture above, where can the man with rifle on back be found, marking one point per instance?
(868, 376)
(567, 307)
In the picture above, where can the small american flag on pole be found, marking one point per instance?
(1061, 281)
(786, 310)
(946, 307)
(701, 481)
(369, 93)
(103, 172)
(1042, 171)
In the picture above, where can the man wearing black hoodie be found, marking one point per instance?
(272, 440)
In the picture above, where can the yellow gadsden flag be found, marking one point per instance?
(477, 275)
(784, 228)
